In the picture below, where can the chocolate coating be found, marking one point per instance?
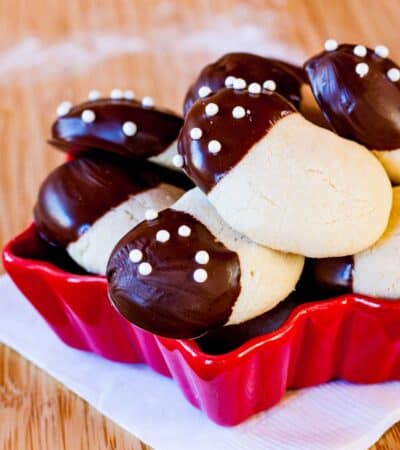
(156, 129)
(327, 277)
(81, 191)
(30, 245)
(365, 109)
(168, 301)
(236, 136)
(252, 68)
(225, 339)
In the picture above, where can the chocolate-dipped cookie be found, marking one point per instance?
(86, 205)
(358, 90)
(281, 180)
(118, 125)
(242, 70)
(187, 272)
(374, 272)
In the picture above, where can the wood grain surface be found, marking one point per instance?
(56, 50)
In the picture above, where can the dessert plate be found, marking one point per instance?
(351, 337)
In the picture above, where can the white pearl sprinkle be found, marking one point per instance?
(184, 231)
(145, 269)
(382, 51)
(151, 214)
(135, 255)
(330, 45)
(238, 112)
(239, 83)
(129, 94)
(362, 69)
(116, 94)
(255, 88)
(360, 50)
(229, 81)
(393, 74)
(177, 161)
(214, 146)
(88, 116)
(202, 257)
(147, 102)
(269, 85)
(204, 91)
(162, 236)
(64, 108)
(211, 109)
(93, 95)
(196, 133)
(129, 128)
(200, 275)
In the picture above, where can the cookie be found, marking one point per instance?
(246, 70)
(86, 205)
(186, 272)
(358, 90)
(374, 272)
(121, 126)
(281, 180)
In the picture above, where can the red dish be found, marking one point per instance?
(351, 337)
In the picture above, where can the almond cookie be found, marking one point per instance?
(281, 180)
(89, 203)
(186, 272)
(358, 90)
(120, 125)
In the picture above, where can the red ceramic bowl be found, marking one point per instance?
(351, 337)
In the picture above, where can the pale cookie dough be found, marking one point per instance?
(377, 270)
(267, 276)
(93, 249)
(281, 180)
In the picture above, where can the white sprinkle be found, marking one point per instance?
(135, 255)
(196, 133)
(229, 81)
(177, 161)
(129, 128)
(255, 88)
(88, 116)
(129, 94)
(360, 50)
(211, 109)
(93, 95)
(202, 257)
(204, 91)
(214, 146)
(151, 214)
(116, 94)
(393, 74)
(147, 102)
(362, 69)
(382, 51)
(238, 112)
(162, 236)
(269, 85)
(200, 275)
(64, 108)
(184, 231)
(239, 83)
(330, 45)
(145, 269)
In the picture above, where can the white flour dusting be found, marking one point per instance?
(244, 29)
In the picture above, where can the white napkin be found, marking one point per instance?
(333, 416)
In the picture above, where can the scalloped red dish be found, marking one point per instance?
(351, 337)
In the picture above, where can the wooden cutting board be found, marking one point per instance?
(55, 50)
